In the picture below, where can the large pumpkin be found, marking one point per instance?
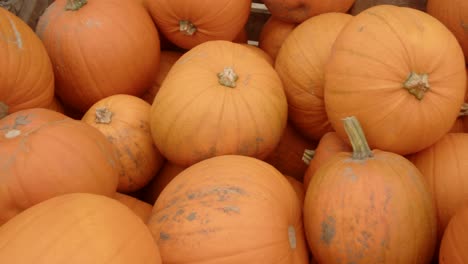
(455, 239)
(99, 48)
(43, 154)
(401, 73)
(219, 98)
(454, 15)
(301, 66)
(229, 209)
(27, 78)
(297, 11)
(77, 228)
(187, 24)
(124, 120)
(369, 207)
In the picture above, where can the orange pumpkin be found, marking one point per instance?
(187, 24)
(273, 34)
(298, 11)
(27, 78)
(361, 207)
(103, 48)
(77, 228)
(56, 105)
(138, 207)
(165, 175)
(455, 239)
(43, 154)
(301, 66)
(401, 73)
(454, 15)
(229, 209)
(259, 52)
(298, 188)
(124, 120)
(361, 5)
(219, 98)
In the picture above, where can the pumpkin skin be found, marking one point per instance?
(168, 172)
(367, 78)
(195, 117)
(455, 239)
(329, 145)
(445, 166)
(454, 15)
(298, 11)
(301, 66)
(223, 199)
(298, 188)
(362, 210)
(94, 58)
(140, 208)
(259, 52)
(27, 79)
(361, 5)
(212, 20)
(124, 120)
(273, 34)
(77, 228)
(43, 154)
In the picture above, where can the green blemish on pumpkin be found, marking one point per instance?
(328, 230)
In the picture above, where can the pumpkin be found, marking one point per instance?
(301, 66)
(297, 11)
(454, 15)
(287, 156)
(168, 172)
(401, 73)
(329, 145)
(361, 207)
(273, 34)
(186, 24)
(298, 188)
(445, 167)
(361, 5)
(140, 208)
(219, 98)
(455, 239)
(27, 79)
(229, 209)
(56, 105)
(43, 154)
(99, 48)
(77, 228)
(259, 52)
(124, 120)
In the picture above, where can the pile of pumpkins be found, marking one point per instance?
(152, 132)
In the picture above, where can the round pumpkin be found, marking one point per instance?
(77, 228)
(361, 5)
(219, 98)
(99, 48)
(124, 120)
(27, 79)
(401, 73)
(301, 66)
(187, 24)
(454, 15)
(455, 239)
(298, 11)
(361, 207)
(273, 34)
(140, 208)
(229, 209)
(43, 154)
(168, 172)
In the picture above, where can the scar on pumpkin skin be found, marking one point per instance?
(328, 230)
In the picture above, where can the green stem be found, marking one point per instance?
(3, 110)
(103, 115)
(464, 110)
(308, 156)
(187, 28)
(228, 77)
(417, 84)
(361, 149)
(74, 5)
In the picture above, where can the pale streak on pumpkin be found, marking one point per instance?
(12, 133)
(19, 40)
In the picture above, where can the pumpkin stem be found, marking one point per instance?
(187, 28)
(74, 5)
(228, 77)
(103, 115)
(12, 133)
(361, 149)
(463, 111)
(308, 156)
(417, 84)
(3, 110)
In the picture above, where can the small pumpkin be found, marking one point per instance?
(99, 48)
(77, 228)
(361, 5)
(27, 79)
(140, 208)
(124, 120)
(407, 90)
(232, 198)
(43, 154)
(273, 34)
(455, 239)
(187, 24)
(360, 207)
(219, 98)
